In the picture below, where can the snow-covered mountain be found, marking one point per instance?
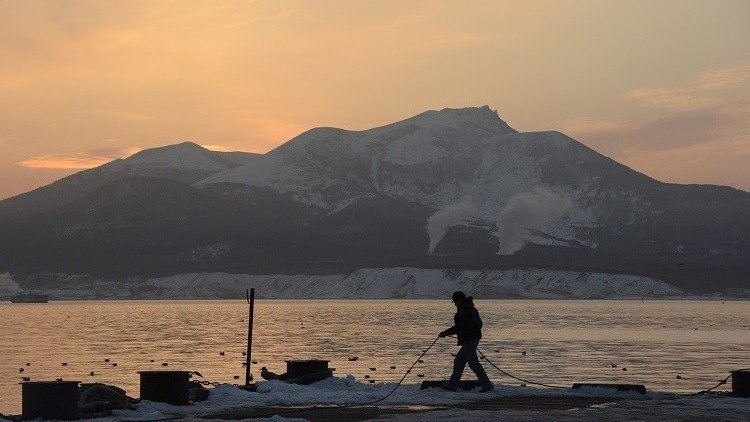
(408, 283)
(185, 162)
(455, 188)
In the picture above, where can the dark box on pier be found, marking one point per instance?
(49, 400)
(741, 383)
(172, 387)
(298, 368)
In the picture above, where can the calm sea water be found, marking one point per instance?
(565, 341)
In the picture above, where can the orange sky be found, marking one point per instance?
(662, 86)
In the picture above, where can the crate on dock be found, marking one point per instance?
(741, 383)
(49, 400)
(170, 387)
(298, 368)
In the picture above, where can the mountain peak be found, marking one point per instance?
(185, 154)
(482, 118)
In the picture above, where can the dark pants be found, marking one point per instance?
(468, 354)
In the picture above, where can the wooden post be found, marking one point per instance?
(251, 301)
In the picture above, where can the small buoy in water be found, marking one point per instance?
(91, 374)
(221, 353)
(372, 369)
(624, 369)
(236, 377)
(114, 364)
(367, 376)
(65, 364)
(106, 360)
(679, 377)
(393, 367)
(164, 364)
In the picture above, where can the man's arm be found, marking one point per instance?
(449, 332)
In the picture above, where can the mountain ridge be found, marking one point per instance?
(459, 181)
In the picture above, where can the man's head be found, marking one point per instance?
(458, 297)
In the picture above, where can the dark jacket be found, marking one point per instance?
(467, 323)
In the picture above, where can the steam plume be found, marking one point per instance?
(8, 286)
(524, 211)
(450, 215)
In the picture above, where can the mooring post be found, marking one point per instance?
(250, 300)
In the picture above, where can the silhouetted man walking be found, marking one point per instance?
(468, 328)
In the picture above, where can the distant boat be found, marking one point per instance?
(27, 297)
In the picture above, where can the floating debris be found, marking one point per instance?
(106, 360)
(614, 365)
(221, 353)
(624, 369)
(114, 364)
(152, 361)
(523, 353)
(28, 364)
(367, 377)
(20, 369)
(679, 377)
(91, 374)
(420, 375)
(497, 350)
(65, 364)
(353, 358)
(420, 361)
(393, 367)
(373, 369)
(254, 362)
(165, 364)
(236, 377)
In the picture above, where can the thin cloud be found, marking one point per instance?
(78, 161)
(220, 148)
(707, 89)
(125, 115)
(727, 77)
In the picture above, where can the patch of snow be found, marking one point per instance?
(409, 283)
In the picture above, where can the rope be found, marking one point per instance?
(722, 382)
(515, 377)
(343, 406)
